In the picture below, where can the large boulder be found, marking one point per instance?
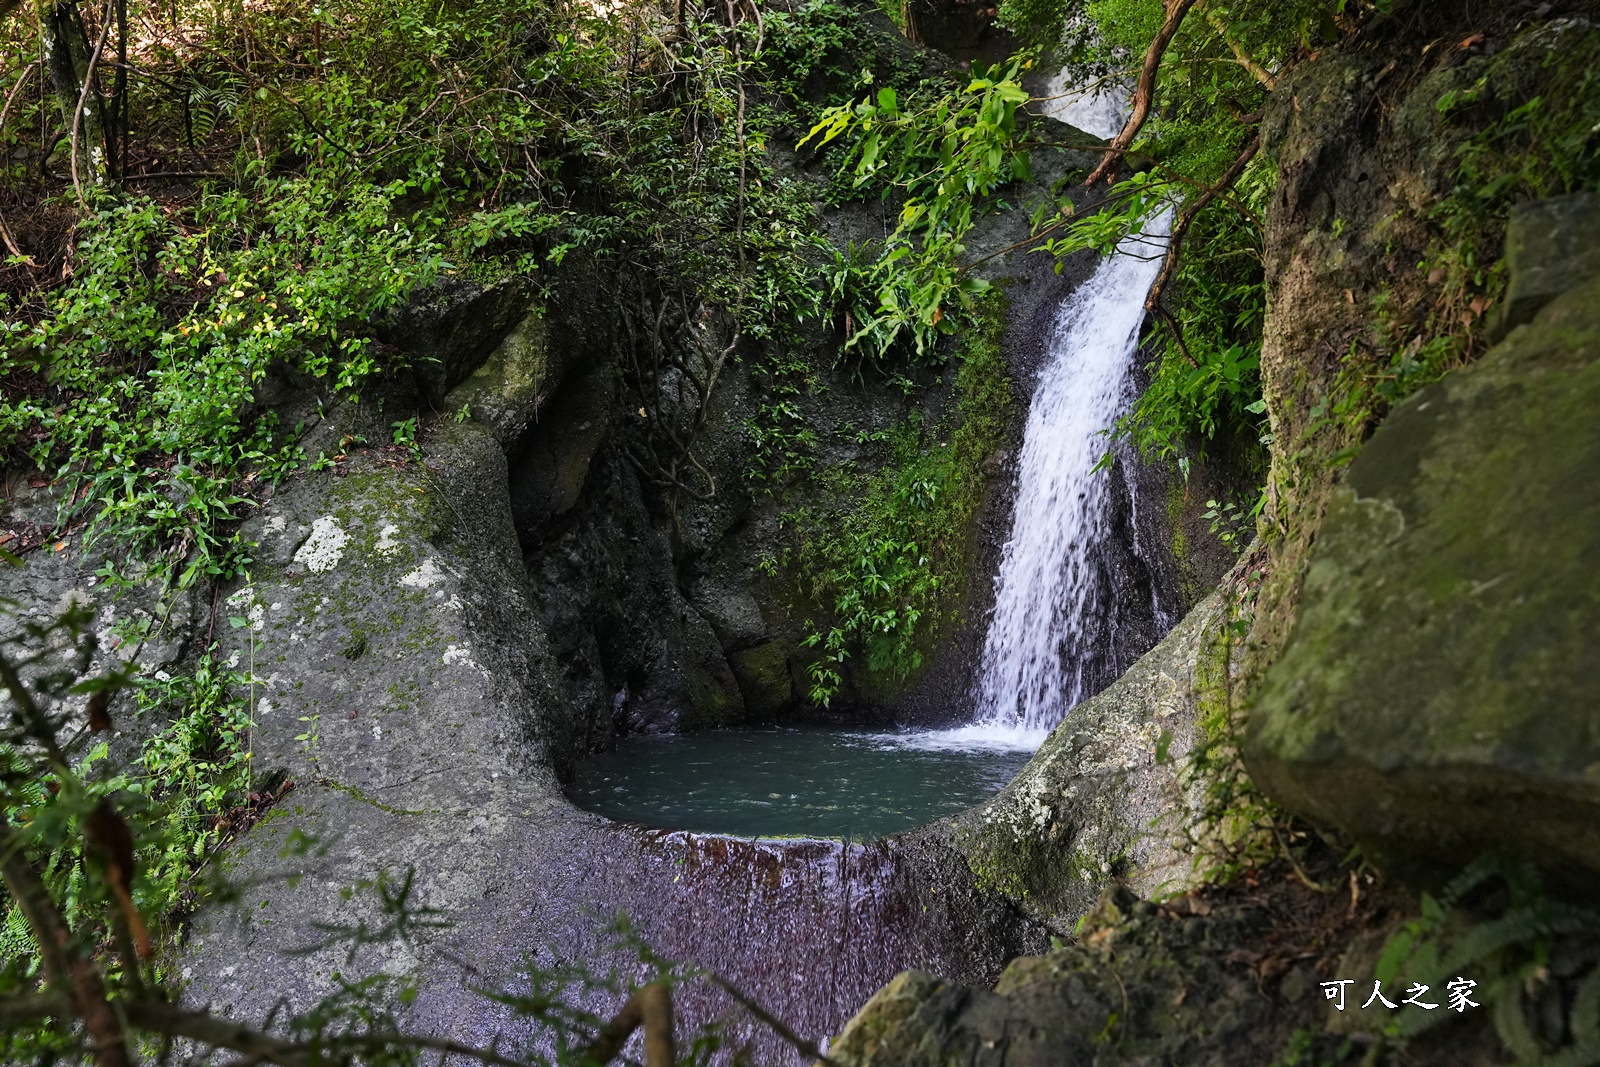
(1439, 695)
(1144, 986)
(1551, 245)
(1106, 798)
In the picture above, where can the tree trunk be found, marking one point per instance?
(66, 51)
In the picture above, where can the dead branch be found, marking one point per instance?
(1181, 230)
(5, 109)
(745, 1001)
(659, 1047)
(64, 964)
(83, 97)
(1144, 93)
(1177, 332)
(651, 1006)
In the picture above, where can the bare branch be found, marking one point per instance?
(804, 1047)
(35, 1006)
(1181, 230)
(1144, 93)
(659, 1047)
(83, 97)
(63, 965)
(614, 1034)
(1240, 53)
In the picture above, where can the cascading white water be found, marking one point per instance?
(1098, 108)
(1037, 646)
(1033, 656)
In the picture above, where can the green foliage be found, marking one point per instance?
(1519, 135)
(878, 551)
(78, 828)
(1233, 827)
(154, 353)
(815, 57)
(398, 144)
(1232, 524)
(1495, 925)
(940, 154)
(195, 772)
(946, 151)
(1206, 381)
(184, 795)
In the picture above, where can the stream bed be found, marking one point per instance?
(812, 782)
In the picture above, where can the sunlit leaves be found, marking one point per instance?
(941, 155)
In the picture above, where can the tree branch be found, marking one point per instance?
(1181, 230)
(1240, 53)
(35, 1006)
(1144, 93)
(77, 114)
(63, 965)
(806, 1048)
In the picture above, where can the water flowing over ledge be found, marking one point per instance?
(1037, 646)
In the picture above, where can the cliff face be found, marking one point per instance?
(1431, 598)
(1383, 239)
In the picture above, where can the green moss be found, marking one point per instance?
(1023, 864)
(763, 676)
(882, 559)
(711, 704)
(1190, 588)
(355, 793)
(1505, 129)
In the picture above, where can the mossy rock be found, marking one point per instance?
(713, 699)
(763, 676)
(1105, 799)
(1138, 989)
(1551, 245)
(505, 392)
(1439, 694)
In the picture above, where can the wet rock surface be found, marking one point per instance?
(411, 696)
(1104, 798)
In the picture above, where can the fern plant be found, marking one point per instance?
(1496, 922)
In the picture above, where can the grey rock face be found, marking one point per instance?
(413, 698)
(1552, 245)
(1146, 989)
(451, 327)
(1105, 798)
(1439, 695)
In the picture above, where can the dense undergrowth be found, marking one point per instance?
(884, 547)
(287, 174)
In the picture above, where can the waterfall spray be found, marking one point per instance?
(1033, 657)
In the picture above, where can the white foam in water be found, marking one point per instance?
(973, 737)
(1030, 675)
(1031, 670)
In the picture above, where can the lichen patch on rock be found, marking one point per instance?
(325, 547)
(424, 577)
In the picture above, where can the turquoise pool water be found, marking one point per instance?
(796, 782)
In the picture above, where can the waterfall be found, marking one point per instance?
(1033, 661)
(1099, 108)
